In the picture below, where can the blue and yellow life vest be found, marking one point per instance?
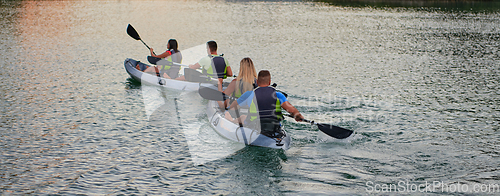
(267, 104)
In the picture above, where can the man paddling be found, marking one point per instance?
(265, 105)
(213, 65)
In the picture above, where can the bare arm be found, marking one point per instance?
(230, 88)
(234, 104)
(229, 72)
(163, 55)
(219, 84)
(195, 66)
(292, 110)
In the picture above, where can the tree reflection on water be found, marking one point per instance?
(445, 5)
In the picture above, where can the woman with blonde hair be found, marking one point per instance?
(245, 81)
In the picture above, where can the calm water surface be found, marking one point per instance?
(419, 88)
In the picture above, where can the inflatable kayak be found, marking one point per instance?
(243, 135)
(150, 79)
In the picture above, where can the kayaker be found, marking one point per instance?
(246, 80)
(265, 105)
(171, 55)
(213, 66)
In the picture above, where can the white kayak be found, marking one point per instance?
(150, 79)
(243, 135)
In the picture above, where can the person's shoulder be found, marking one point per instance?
(281, 97)
(246, 95)
(233, 82)
(225, 59)
(245, 98)
(204, 60)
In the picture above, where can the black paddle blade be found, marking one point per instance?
(211, 94)
(334, 131)
(132, 32)
(153, 60)
(331, 130)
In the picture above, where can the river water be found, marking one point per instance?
(420, 88)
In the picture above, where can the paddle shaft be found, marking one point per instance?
(305, 120)
(158, 61)
(133, 33)
(146, 45)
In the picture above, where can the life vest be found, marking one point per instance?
(176, 56)
(171, 69)
(168, 65)
(265, 105)
(218, 68)
(241, 85)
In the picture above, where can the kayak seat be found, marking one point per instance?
(192, 75)
(173, 72)
(141, 66)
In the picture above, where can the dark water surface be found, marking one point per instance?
(419, 88)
